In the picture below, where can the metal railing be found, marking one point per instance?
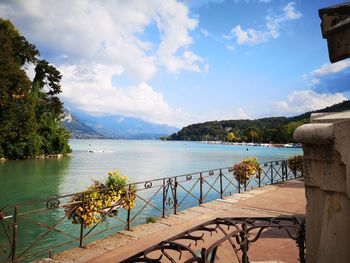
(223, 239)
(40, 228)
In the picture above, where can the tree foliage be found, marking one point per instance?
(30, 110)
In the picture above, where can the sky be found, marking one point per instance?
(181, 62)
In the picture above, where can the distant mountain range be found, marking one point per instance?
(85, 126)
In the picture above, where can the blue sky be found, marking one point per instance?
(183, 62)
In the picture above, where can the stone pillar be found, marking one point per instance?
(326, 145)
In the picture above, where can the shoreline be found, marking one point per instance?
(39, 157)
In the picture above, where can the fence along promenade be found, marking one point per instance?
(40, 228)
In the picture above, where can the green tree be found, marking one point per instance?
(230, 137)
(30, 111)
(252, 133)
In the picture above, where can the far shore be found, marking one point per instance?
(273, 145)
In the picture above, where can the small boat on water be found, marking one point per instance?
(100, 151)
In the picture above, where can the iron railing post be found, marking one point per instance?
(244, 244)
(286, 168)
(221, 192)
(200, 188)
(245, 184)
(129, 211)
(163, 211)
(259, 177)
(14, 236)
(175, 195)
(271, 172)
(81, 236)
(239, 185)
(301, 241)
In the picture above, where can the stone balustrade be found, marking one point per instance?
(326, 145)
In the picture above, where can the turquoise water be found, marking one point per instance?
(22, 181)
(140, 160)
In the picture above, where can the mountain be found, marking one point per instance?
(77, 129)
(273, 129)
(83, 125)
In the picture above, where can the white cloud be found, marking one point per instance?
(204, 32)
(91, 41)
(290, 13)
(273, 24)
(317, 76)
(230, 47)
(89, 87)
(328, 68)
(110, 32)
(315, 81)
(306, 100)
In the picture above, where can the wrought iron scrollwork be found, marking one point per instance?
(169, 201)
(52, 203)
(188, 177)
(148, 184)
(239, 232)
(211, 172)
(230, 169)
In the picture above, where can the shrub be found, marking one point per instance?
(296, 164)
(245, 169)
(151, 219)
(100, 200)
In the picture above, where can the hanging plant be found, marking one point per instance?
(101, 199)
(296, 164)
(244, 170)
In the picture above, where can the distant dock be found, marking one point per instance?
(271, 145)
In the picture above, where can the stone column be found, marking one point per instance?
(326, 145)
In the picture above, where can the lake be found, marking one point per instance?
(138, 159)
(48, 230)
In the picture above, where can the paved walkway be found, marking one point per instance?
(274, 200)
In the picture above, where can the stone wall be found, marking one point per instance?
(326, 145)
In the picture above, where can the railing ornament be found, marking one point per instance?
(52, 203)
(188, 177)
(148, 184)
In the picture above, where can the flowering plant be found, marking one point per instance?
(245, 169)
(101, 199)
(296, 164)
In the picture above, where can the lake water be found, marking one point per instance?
(138, 159)
(22, 181)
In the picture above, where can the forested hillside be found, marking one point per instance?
(266, 130)
(30, 110)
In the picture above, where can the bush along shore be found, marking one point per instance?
(39, 157)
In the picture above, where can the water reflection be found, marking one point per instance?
(21, 181)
